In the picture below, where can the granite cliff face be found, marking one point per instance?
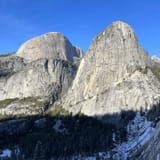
(11, 64)
(114, 75)
(43, 68)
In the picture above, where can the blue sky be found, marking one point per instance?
(79, 20)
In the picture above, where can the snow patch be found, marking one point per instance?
(155, 58)
(58, 127)
(158, 157)
(6, 153)
(139, 130)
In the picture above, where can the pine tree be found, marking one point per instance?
(39, 153)
(13, 155)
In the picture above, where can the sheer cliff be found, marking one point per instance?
(114, 75)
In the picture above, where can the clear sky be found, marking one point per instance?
(78, 20)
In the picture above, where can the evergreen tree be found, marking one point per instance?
(39, 153)
(13, 155)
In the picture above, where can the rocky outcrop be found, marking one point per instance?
(23, 107)
(42, 78)
(114, 75)
(10, 64)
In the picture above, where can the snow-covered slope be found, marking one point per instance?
(140, 132)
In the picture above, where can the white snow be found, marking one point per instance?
(155, 58)
(158, 157)
(58, 127)
(139, 132)
(6, 153)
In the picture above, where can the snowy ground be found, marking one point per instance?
(5, 153)
(139, 132)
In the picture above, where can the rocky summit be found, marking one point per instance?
(58, 103)
(114, 75)
(51, 45)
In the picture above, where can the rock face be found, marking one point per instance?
(11, 64)
(51, 45)
(43, 78)
(43, 68)
(114, 75)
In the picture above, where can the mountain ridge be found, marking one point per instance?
(49, 84)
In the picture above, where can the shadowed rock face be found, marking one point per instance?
(51, 45)
(113, 75)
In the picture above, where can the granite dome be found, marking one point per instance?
(51, 45)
